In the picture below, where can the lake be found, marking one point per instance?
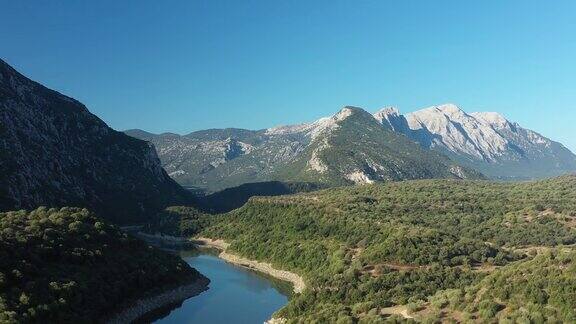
(235, 294)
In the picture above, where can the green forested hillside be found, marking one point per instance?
(538, 290)
(179, 221)
(67, 266)
(368, 247)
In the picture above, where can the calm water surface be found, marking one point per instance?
(236, 294)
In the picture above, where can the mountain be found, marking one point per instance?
(354, 148)
(485, 141)
(346, 148)
(222, 158)
(54, 152)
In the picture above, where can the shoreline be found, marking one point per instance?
(296, 280)
(144, 306)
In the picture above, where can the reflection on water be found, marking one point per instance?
(235, 294)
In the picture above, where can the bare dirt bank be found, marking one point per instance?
(146, 305)
(266, 268)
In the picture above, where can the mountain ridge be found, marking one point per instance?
(221, 158)
(482, 141)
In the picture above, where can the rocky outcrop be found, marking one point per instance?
(54, 152)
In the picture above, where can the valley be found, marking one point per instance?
(371, 217)
(432, 246)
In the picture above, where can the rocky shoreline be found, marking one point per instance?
(296, 280)
(146, 305)
(139, 310)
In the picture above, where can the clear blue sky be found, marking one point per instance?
(186, 65)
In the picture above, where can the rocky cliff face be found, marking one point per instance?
(54, 152)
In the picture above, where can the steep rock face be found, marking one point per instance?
(54, 152)
(391, 118)
(489, 142)
(449, 127)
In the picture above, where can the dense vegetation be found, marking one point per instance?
(178, 221)
(367, 247)
(540, 289)
(67, 266)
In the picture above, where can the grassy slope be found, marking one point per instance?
(366, 247)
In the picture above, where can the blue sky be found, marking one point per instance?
(185, 65)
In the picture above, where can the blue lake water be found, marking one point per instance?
(235, 294)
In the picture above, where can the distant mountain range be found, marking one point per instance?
(347, 148)
(54, 152)
(354, 146)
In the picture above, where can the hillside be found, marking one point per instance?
(364, 248)
(223, 158)
(538, 290)
(231, 198)
(68, 266)
(54, 152)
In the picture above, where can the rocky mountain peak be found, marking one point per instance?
(386, 111)
(391, 118)
(492, 118)
(361, 147)
(450, 128)
(346, 112)
(449, 108)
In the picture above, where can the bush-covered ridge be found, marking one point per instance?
(67, 266)
(534, 291)
(368, 247)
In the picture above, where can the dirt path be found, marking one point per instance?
(396, 310)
